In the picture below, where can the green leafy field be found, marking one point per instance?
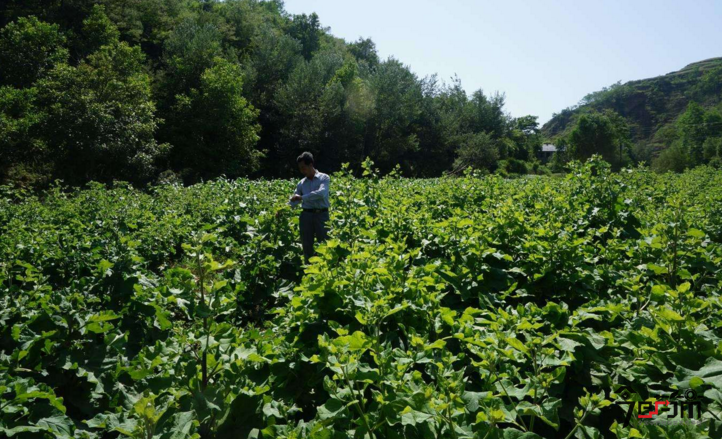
(465, 307)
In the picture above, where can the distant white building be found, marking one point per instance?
(547, 151)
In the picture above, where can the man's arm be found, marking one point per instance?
(296, 193)
(319, 193)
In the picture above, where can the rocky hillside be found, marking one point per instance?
(652, 105)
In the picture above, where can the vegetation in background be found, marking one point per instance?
(190, 90)
(671, 122)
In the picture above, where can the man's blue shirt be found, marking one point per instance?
(314, 192)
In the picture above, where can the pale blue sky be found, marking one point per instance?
(544, 55)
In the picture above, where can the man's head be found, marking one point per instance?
(305, 164)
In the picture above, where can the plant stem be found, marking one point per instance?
(511, 402)
(204, 357)
(358, 404)
(581, 420)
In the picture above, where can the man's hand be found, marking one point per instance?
(296, 197)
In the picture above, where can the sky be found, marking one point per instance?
(543, 55)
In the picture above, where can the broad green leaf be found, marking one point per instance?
(410, 416)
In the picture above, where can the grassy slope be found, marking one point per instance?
(650, 105)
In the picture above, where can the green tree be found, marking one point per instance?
(307, 30)
(693, 131)
(436, 126)
(189, 50)
(147, 23)
(97, 31)
(526, 137)
(623, 141)
(274, 56)
(313, 106)
(713, 123)
(29, 49)
(390, 130)
(215, 129)
(712, 148)
(674, 159)
(486, 114)
(101, 120)
(478, 150)
(299, 101)
(22, 154)
(605, 134)
(364, 50)
(710, 84)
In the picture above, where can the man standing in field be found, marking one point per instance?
(312, 194)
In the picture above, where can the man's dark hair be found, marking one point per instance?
(306, 158)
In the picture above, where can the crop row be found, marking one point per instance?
(454, 307)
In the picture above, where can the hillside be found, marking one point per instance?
(651, 106)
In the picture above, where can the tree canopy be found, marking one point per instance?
(115, 90)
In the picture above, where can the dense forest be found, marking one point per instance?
(187, 90)
(672, 122)
(150, 91)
